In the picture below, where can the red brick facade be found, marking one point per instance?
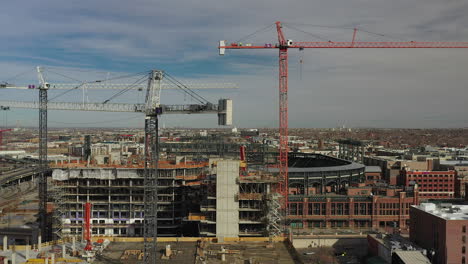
(447, 238)
(431, 184)
(351, 211)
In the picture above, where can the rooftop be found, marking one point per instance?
(413, 257)
(395, 242)
(373, 169)
(312, 162)
(445, 211)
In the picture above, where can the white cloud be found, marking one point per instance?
(362, 87)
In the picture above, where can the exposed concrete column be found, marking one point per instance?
(39, 243)
(52, 258)
(26, 255)
(223, 256)
(13, 258)
(227, 208)
(73, 245)
(64, 252)
(5, 261)
(46, 260)
(5, 243)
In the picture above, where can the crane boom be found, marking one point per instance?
(120, 86)
(120, 107)
(356, 45)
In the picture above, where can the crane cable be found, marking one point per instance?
(391, 37)
(16, 76)
(305, 32)
(97, 81)
(128, 88)
(256, 32)
(184, 88)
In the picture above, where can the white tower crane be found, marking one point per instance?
(152, 108)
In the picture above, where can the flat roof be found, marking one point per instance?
(373, 169)
(344, 164)
(412, 257)
(445, 211)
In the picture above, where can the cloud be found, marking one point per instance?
(360, 87)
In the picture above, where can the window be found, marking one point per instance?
(464, 229)
(464, 239)
(463, 260)
(463, 250)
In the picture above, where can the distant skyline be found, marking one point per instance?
(420, 88)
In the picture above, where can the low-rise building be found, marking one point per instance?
(431, 184)
(351, 211)
(395, 249)
(441, 230)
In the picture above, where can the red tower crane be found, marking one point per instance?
(283, 45)
(1, 135)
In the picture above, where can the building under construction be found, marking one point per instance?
(117, 199)
(207, 198)
(235, 203)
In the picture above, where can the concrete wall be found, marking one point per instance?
(330, 242)
(354, 245)
(227, 206)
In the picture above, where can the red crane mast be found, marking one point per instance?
(87, 227)
(283, 45)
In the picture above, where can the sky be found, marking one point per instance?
(89, 40)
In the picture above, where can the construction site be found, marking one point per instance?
(212, 192)
(144, 198)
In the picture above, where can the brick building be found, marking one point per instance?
(326, 192)
(391, 166)
(373, 174)
(431, 184)
(441, 230)
(361, 208)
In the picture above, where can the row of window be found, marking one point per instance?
(436, 195)
(436, 190)
(430, 175)
(344, 209)
(431, 180)
(333, 224)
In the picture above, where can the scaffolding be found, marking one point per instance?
(273, 215)
(58, 196)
